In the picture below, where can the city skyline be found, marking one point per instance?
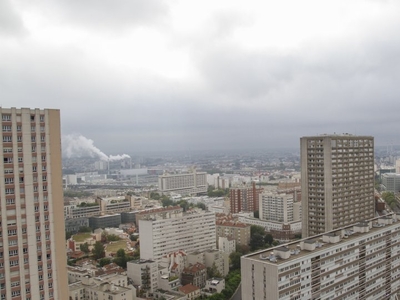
(149, 75)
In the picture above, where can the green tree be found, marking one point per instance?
(201, 205)
(98, 250)
(268, 239)
(121, 258)
(213, 271)
(133, 237)
(167, 202)
(154, 196)
(68, 235)
(84, 248)
(257, 229)
(184, 204)
(85, 229)
(235, 260)
(256, 241)
(104, 261)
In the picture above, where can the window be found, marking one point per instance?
(6, 128)
(19, 138)
(43, 157)
(41, 118)
(32, 118)
(45, 188)
(42, 138)
(7, 160)
(7, 150)
(10, 201)
(34, 169)
(33, 138)
(43, 168)
(13, 252)
(12, 232)
(21, 180)
(44, 178)
(33, 148)
(6, 117)
(8, 180)
(13, 263)
(18, 127)
(9, 191)
(33, 128)
(20, 159)
(7, 139)
(12, 242)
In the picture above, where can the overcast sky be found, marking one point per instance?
(137, 75)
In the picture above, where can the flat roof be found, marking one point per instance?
(263, 255)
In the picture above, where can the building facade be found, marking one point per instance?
(360, 261)
(391, 181)
(244, 198)
(238, 231)
(191, 183)
(33, 256)
(337, 181)
(276, 207)
(194, 231)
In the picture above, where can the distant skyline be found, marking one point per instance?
(150, 75)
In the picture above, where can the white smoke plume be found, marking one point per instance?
(76, 145)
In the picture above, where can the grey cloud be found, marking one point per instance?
(10, 22)
(108, 15)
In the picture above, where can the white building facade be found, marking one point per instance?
(194, 231)
(360, 261)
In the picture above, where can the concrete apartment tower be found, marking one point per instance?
(32, 249)
(337, 181)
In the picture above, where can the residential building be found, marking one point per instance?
(360, 261)
(113, 287)
(174, 262)
(191, 291)
(218, 259)
(195, 274)
(214, 285)
(276, 207)
(391, 182)
(158, 213)
(191, 183)
(226, 244)
(238, 231)
(32, 249)
(279, 230)
(337, 181)
(194, 230)
(244, 198)
(143, 273)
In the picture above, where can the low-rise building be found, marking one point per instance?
(195, 274)
(105, 221)
(144, 274)
(112, 287)
(214, 285)
(191, 291)
(226, 244)
(238, 231)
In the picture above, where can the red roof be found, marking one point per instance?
(189, 288)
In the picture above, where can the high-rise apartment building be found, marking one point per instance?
(244, 198)
(337, 181)
(276, 207)
(193, 231)
(32, 249)
(360, 261)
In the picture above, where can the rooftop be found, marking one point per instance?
(294, 250)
